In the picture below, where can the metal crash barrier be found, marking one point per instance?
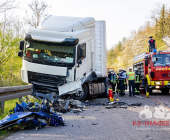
(9, 93)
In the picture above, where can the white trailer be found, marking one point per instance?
(66, 56)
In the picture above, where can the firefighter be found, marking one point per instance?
(114, 81)
(125, 82)
(122, 76)
(112, 77)
(137, 81)
(131, 81)
(151, 44)
(117, 81)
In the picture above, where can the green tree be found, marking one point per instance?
(162, 22)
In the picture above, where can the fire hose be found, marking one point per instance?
(155, 100)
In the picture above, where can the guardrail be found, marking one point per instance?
(8, 93)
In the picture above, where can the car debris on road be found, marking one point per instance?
(49, 112)
(121, 105)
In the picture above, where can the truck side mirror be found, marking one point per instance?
(156, 59)
(79, 54)
(146, 62)
(20, 53)
(21, 45)
(79, 61)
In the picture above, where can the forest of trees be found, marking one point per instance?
(11, 33)
(121, 55)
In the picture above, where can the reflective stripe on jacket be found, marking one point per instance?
(113, 78)
(131, 75)
(137, 78)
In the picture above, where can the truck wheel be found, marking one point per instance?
(165, 91)
(84, 95)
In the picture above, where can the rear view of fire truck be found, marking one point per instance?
(155, 70)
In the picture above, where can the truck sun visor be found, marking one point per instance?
(65, 41)
(47, 39)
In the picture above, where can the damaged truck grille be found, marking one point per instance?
(45, 81)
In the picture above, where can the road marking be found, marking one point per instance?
(138, 96)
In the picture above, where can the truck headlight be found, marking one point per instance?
(157, 86)
(157, 83)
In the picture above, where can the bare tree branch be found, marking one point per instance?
(7, 5)
(36, 11)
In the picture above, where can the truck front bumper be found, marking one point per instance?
(159, 84)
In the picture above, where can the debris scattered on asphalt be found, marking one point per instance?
(49, 111)
(70, 106)
(94, 123)
(136, 104)
(75, 110)
(121, 105)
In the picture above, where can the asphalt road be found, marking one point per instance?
(99, 123)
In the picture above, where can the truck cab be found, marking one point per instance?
(64, 55)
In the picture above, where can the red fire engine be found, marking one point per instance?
(154, 69)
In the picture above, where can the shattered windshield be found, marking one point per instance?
(48, 53)
(161, 60)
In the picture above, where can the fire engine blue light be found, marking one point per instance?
(154, 50)
(163, 74)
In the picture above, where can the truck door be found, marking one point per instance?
(83, 69)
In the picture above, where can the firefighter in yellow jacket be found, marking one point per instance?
(131, 81)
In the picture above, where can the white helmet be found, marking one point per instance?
(110, 70)
(135, 69)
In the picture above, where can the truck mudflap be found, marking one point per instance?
(70, 88)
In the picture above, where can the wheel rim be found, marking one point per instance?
(81, 94)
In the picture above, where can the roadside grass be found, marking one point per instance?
(9, 105)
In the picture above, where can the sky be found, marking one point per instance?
(121, 16)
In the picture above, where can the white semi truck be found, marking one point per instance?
(66, 56)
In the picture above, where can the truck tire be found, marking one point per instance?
(85, 95)
(165, 91)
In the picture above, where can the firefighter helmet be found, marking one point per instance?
(135, 69)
